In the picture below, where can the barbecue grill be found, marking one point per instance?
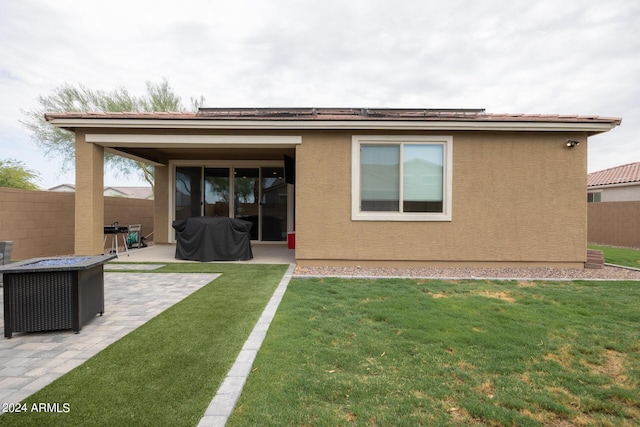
(116, 229)
(113, 230)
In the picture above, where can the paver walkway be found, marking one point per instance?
(28, 362)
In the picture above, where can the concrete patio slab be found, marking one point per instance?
(263, 253)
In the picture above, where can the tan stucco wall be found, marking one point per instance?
(89, 204)
(518, 199)
(161, 196)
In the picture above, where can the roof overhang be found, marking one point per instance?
(613, 185)
(151, 136)
(589, 126)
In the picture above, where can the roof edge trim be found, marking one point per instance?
(592, 127)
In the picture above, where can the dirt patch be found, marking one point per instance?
(440, 295)
(459, 416)
(487, 389)
(562, 357)
(549, 419)
(527, 284)
(501, 295)
(613, 367)
(419, 394)
(465, 366)
(525, 379)
(504, 296)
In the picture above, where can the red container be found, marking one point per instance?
(291, 240)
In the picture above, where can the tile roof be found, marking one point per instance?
(618, 175)
(340, 114)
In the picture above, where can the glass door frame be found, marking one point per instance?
(231, 165)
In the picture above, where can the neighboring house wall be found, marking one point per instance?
(518, 199)
(621, 193)
(114, 193)
(42, 223)
(614, 223)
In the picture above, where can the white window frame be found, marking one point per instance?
(594, 193)
(358, 140)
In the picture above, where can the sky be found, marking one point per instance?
(507, 56)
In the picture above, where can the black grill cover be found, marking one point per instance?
(213, 239)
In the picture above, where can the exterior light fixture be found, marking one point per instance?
(572, 143)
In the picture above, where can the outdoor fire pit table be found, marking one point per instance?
(47, 294)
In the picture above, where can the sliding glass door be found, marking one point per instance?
(273, 203)
(254, 194)
(217, 188)
(246, 196)
(188, 193)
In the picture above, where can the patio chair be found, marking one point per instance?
(5, 252)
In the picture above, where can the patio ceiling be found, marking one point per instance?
(162, 156)
(157, 149)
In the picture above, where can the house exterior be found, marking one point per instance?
(617, 184)
(369, 187)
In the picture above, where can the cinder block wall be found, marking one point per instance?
(614, 224)
(127, 212)
(42, 223)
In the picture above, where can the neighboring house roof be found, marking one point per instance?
(331, 117)
(624, 174)
(63, 187)
(131, 192)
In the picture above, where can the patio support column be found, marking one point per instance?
(161, 205)
(89, 210)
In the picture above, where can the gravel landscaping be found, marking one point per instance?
(606, 273)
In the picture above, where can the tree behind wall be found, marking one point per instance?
(14, 174)
(159, 97)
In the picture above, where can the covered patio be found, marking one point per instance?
(202, 168)
(262, 254)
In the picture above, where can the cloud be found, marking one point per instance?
(569, 57)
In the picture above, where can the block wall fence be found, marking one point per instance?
(42, 223)
(614, 224)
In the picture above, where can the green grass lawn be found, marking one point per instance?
(620, 256)
(394, 352)
(166, 372)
